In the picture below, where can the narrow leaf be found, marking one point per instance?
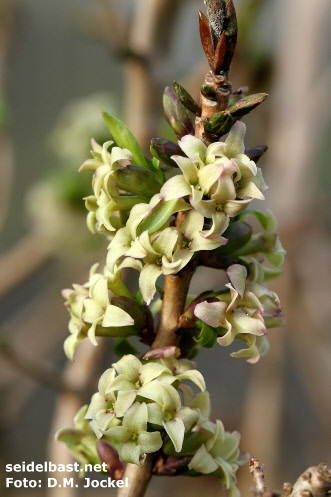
(246, 104)
(186, 99)
(206, 39)
(158, 216)
(124, 138)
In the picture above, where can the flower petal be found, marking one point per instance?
(235, 140)
(237, 274)
(176, 431)
(192, 146)
(188, 168)
(203, 462)
(114, 316)
(129, 365)
(123, 402)
(147, 281)
(175, 187)
(211, 313)
(150, 442)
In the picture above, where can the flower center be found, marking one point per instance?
(158, 262)
(169, 416)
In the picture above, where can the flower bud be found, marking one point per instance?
(176, 114)
(186, 99)
(109, 455)
(219, 124)
(163, 149)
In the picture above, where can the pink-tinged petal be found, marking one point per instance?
(242, 323)
(220, 224)
(175, 187)
(235, 140)
(225, 189)
(234, 295)
(208, 175)
(216, 149)
(237, 274)
(189, 170)
(234, 207)
(121, 155)
(201, 243)
(169, 267)
(192, 146)
(211, 313)
(205, 207)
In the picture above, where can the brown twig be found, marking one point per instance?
(258, 475)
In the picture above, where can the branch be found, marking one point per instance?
(33, 370)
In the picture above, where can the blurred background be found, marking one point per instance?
(60, 64)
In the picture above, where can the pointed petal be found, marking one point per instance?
(147, 281)
(150, 442)
(188, 168)
(114, 316)
(211, 313)
(235, 140)
(176, 432)
(203, 462)
(208, 175)
(165, 242)
(123, 402)
(192, 146)
(130, 452)
(175, 187)
(237, 274)
(151, 371)
(130, 366)
(136, 417)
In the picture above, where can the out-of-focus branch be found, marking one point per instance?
(21, 261)
(80, 375)
(33, 370)
(256, 471)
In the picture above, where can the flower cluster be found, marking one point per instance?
(166, 251)
(106, 198)
(93, 311)
(136, 402)
(245, 311)
(219, 180)
(80, 440)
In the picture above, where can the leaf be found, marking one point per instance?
(219, 124)
(220, 53)
(207, 337)
(246, 104)
(136, 179)
(125, 139)
(157, 217)
(186, 99)
(123, 346)
(238, 234)
(206, 39)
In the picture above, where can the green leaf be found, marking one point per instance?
(125, 139)
(207, 337)
(158, 216)
(136, 179)
(260, 216)
(123, 347)
(238, 234)
(246, 104)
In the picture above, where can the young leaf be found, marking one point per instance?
(158, 216)
(135, 179)
(246, 104)
(123, 346)
(207, 337)
(125, 139)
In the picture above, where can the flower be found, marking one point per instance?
(168, 412)
(91, 309)
(248, 309)
(80, 440)
(134, 439)
(106, 198)
(101, 409)
(167, 250)
(217, 178)
(220, 456)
